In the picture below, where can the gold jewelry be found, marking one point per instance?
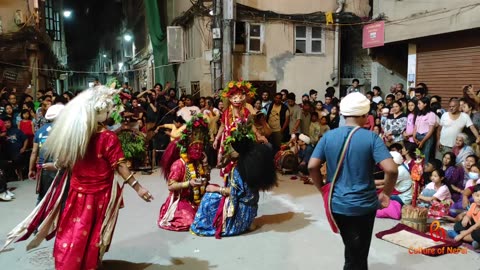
(129, 177)
(185, 184)
(134, 183)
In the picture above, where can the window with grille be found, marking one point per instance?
(309, 40)
(249, 37)
(52, 21)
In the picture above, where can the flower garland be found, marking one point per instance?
(198, 123)
(239, 87)
(193, 173)
(241, 130)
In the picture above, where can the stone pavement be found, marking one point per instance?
(294, 234)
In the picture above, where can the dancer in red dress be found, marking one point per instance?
(187, 176)
(90, 154)
(234, 97)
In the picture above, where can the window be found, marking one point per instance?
(52, 21)
(248, 37)
(309, 40)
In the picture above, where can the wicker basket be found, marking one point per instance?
(415, 217)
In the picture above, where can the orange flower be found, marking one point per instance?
(230, 84)
(248, 85)
(239, 84)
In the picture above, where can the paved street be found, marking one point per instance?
(294, 234)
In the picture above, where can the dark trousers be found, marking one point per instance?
(459, 227)
(356, 232)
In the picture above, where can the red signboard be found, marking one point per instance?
(374, 35)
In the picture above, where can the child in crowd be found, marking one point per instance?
(176, 128)
(378, 130)
(27, 127)
(435, 190)
(468, 229)
(315, 130)
(323, 126)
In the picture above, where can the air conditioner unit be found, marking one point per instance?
(175, 45)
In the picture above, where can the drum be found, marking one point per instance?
(286, 161)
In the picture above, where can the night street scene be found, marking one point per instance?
(239, 134)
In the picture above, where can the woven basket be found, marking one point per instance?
(415, 217)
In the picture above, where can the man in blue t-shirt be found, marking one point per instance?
(354, 201)
(40, 169)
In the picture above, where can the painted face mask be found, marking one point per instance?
(237, 100)
(195, 151)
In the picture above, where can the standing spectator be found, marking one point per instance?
(315, 129)
(424, 128)
(470, 96)
(398, 87)
(15, 147)
(354, 87)
(295, 114)
(328, 103)
(284, 95)
(354, 200)
(266, 99)
(40, 121)
(331, 92)
(43, 174)
(189, 110)
(313, 96)
(333, 118)
(26, 126)
(10, 114)
(389, 99)
(377, 94)
(395, 125)
(305, 118)
(412, 112)
(452, 124)
(5, 194)
(257, 106)
(419, 93)
(278, 118)
(468, 108)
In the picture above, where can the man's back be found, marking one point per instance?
(354, 192)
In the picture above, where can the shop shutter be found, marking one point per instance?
(446, 71)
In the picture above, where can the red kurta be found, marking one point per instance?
(79, 232)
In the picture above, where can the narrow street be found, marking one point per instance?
(294, 234)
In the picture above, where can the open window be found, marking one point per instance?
(248, 37)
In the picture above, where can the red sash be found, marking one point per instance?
(327, 189)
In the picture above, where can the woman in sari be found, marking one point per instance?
(186, 176)
(231, 210)
(91, 154)
(461, 150)
(453, 176)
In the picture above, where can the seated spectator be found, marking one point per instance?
(404, 181)
(461, 150)
(305, 150)
(435, 190)
(176, 128)
(453, 176)
(468, 229)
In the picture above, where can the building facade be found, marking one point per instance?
(434, 42)
(32, 45)
(273, 53)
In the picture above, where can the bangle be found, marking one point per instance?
(129, 177)
(185, 184)
(134, 183)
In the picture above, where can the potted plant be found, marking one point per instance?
(133, 145)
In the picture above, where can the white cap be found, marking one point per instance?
(354, 104)
(304, 138)
(54, 111)
(397, 157)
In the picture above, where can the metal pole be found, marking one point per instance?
(217, 46)
(228, 12)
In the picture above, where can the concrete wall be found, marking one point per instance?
(277, 62)
(408, 19)
(297, 73)
(384, 77)
(8, 9)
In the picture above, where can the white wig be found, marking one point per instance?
(69, 138)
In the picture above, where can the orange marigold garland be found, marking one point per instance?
(239, 87)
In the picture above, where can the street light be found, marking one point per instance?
(67, 13)
(127, 37)
(120, 65)
(104, 56)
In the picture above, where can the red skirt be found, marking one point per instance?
(78, 234)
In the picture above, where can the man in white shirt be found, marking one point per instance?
(188, 111)
(452, 124)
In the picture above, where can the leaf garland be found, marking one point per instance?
(240, 131)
